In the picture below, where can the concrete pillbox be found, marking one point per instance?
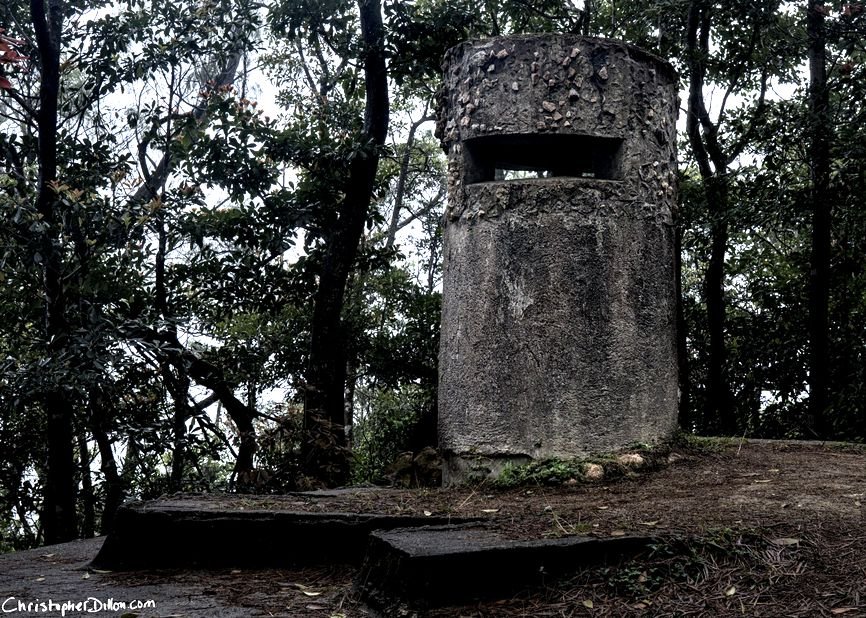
(558, 320)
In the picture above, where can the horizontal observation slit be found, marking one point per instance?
(518, 157)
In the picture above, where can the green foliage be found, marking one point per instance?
(541, 472)
(684, 560)
(384, 428)
(280, 448)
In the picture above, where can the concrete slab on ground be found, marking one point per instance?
(444, 565)
(171, 534)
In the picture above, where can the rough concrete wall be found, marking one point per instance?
(558, 322)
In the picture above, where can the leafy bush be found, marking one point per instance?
(383, 427)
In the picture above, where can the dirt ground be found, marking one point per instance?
(757, 529)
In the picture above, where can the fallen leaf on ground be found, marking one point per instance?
(731, 591)
(304, 589)
(617, 533)
(427, 513)
(785, 541)
(588, 604)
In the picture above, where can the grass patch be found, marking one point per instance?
(702, 444)
(687, 560)
(555, 471)
(541, 472)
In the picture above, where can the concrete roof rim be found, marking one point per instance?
(634, 50)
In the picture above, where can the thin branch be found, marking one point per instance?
(404, 173)
(32, 114)
(428, 206)
(696, 62)
(162, 170)
(311, 82)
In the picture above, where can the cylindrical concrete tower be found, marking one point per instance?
(558, 318)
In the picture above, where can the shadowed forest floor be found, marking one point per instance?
(758, 529)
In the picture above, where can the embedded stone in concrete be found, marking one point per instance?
(558, 313)
(154, 535)
(435, 566)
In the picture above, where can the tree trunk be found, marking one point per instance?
(351, 385)
(212, 377)
(819, 274)
(325, 453)
(402, 177)
(178, 388)
(684, 419)
(720, 401)
(88, 506)
(113, 483)
(114, 492)
(15, 498)
(59, 521)
(703, 139)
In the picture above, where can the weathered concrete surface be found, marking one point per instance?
(437, 566)
(558, 319)
(166, 534)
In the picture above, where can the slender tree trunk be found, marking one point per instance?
(586, 17)
(59, 522)
(113, 483)
(400, 192)
(325, 455)
(88, 500)
(243, 479)
(713, 167)
(132, 463)
(14, 497)
(819, 274)
(114, 492)
(351, 385)
(720, 400)
(210, 376)
(178, 388)
(685, 417)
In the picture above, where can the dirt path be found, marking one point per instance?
(760, 529)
